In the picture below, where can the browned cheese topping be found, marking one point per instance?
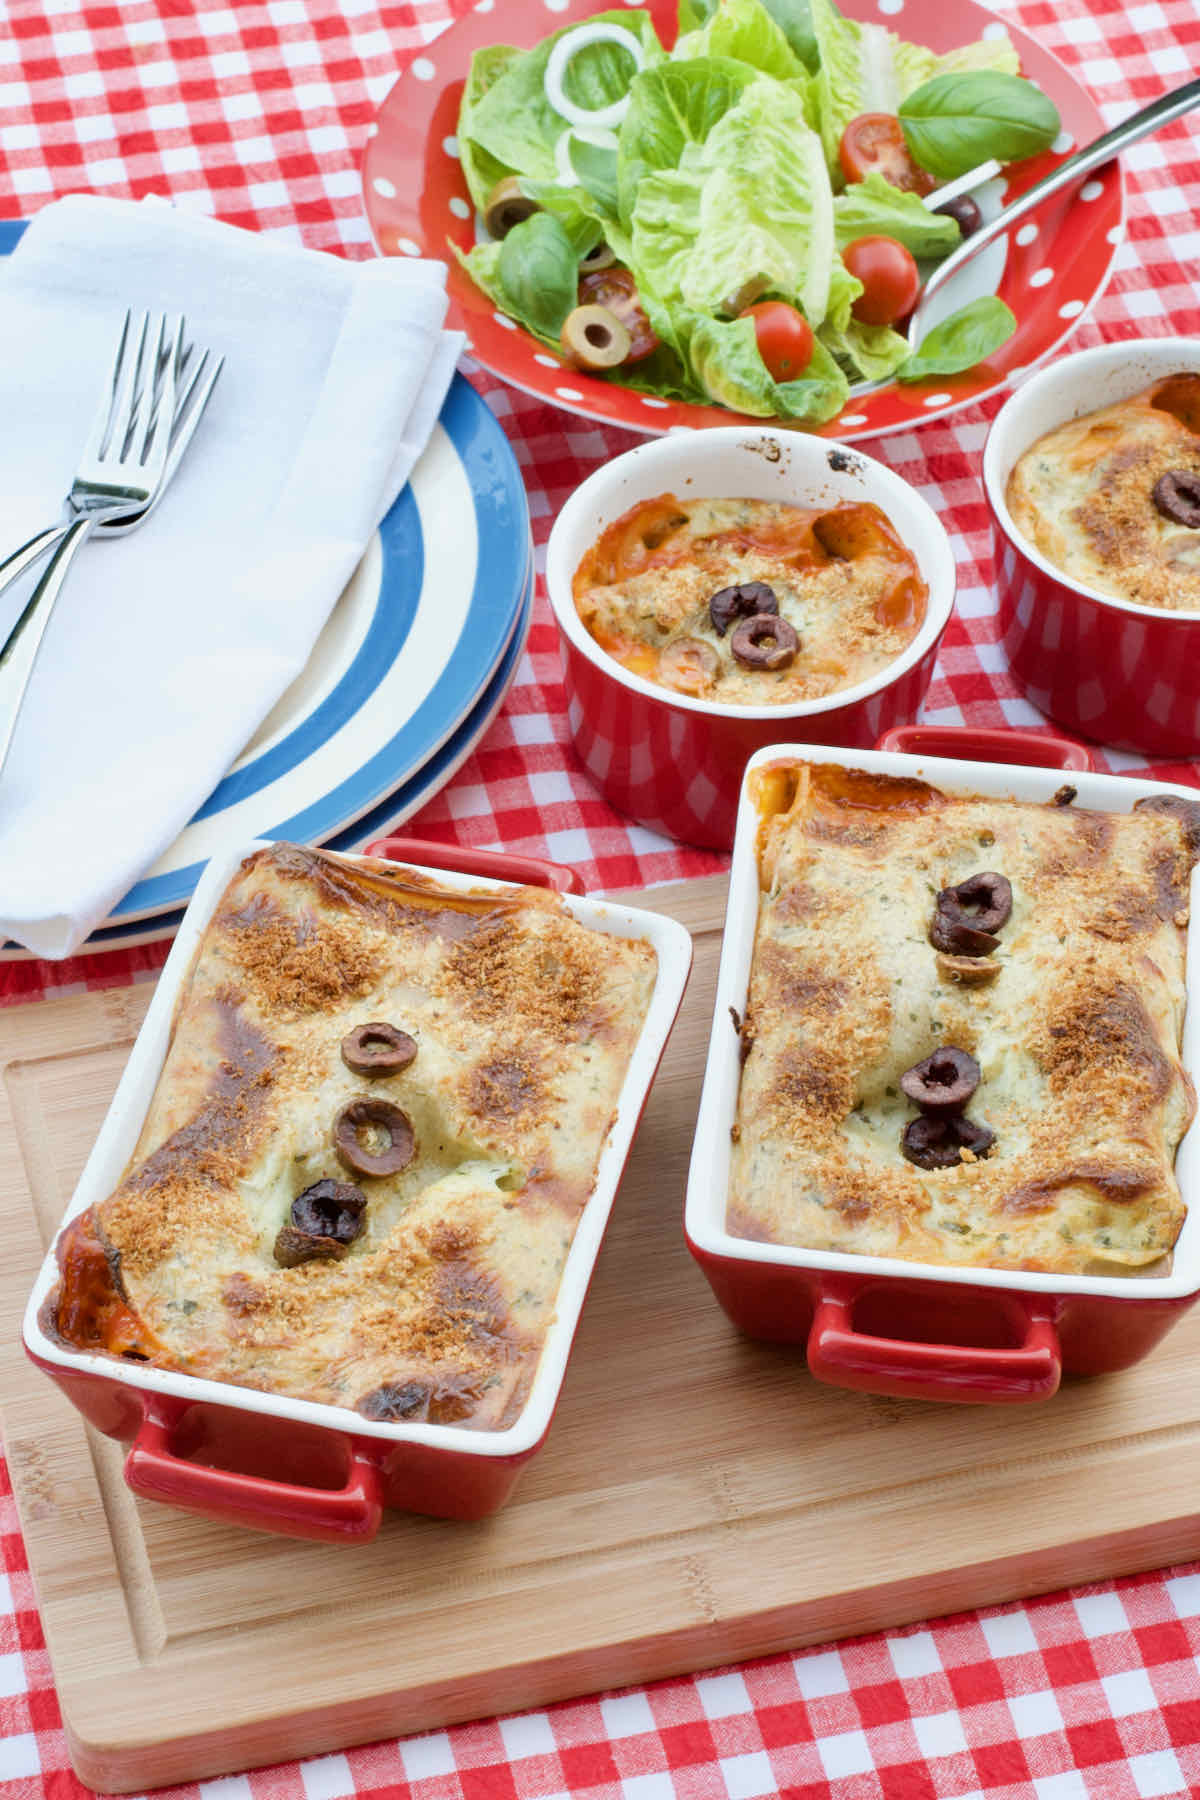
(435, 1301)
(1076, 1036)
(751, 602)
(1085, 496)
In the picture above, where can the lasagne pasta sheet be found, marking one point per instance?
(524, 1022)
(1076, 1034)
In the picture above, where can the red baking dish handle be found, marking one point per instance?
(1040, 750)
(844, 1357)
(496, 865)
(346, 1515)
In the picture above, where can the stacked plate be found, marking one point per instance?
(406, 677)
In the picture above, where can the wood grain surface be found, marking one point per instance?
(700, 1499)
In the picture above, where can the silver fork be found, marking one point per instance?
(143, 426)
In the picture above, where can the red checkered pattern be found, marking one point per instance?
(258, 110)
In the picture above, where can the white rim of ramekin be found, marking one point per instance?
(934, 555)
(1178, 355)
(673, 946)
(704, 1210)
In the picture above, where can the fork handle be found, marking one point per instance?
(20, 649)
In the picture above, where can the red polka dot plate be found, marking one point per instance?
(1050, 270)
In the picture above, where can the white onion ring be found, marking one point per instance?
(556, 69)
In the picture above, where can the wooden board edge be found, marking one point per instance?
(126, 1767)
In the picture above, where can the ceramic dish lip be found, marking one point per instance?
(814, 461)
(114, 1145)
(709, 1169)
(1145, 360)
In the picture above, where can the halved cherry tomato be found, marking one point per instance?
(876, 141)
(889, 276)
(616, 289)
(784, 338)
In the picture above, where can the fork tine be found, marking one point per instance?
(126, 387)
(102, 421)
(149, 401)
(156, 439)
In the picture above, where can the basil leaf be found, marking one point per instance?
(961, 341)
(954, 122)
(538, 273)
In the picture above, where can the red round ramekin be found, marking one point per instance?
(1121, 674)
(924, 1331)
(295, 1467)
(673, 763)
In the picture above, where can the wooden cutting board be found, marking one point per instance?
(700, 1498)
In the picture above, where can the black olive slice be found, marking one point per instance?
(378, 1050)
(353, 1129)
(330, 1209)
(1177, 496)
(937, 1143)
(965, 213)
(983, 900)
(957, 939)
(944, 1082)
(764, 642)
(746, 601)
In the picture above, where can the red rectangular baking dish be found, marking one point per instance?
(324, 1472)
(916, 1330)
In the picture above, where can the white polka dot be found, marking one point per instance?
(423, 69)
(1027, 234)
(548, 362)
(659, 405)
(1091, 190)
(450, 146)
(406, 247)
(1115, 234)
(890, 6)
(557, 5)
(1064, 141)
(459, 208)
(1071, 310)
(508, 324)
(994, 30)
(937, 399)
(484, 6)
(373, 128)
(1041, 278)
(568, 393)
(678, 428)
(384, 187)
(854, 419)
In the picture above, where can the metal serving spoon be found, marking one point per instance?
(1151, 118)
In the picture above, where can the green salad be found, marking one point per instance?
(741, 220)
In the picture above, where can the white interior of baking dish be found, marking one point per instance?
(119, 1134)
(737, 462)
(708, 1178)
(1066, 390)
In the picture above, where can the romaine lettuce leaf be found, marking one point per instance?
(752, 202)
(746, 31)
(724, 355)
(875, 206)
(671, 106)
(865, 352)
(481, 170)
(515, 124)
(793, 17)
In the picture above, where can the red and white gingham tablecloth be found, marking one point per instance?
(257, 110)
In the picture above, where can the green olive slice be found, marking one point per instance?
(594, 338)
(507, 206)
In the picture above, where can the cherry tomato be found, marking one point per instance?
(784, 338)
(889, 277)
(876, 141)
(616, 289)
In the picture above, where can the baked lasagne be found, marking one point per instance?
(751, 602)
(377, 1124)
(1113, 499)
(962, 1034)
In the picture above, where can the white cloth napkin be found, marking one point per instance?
(169, 646)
